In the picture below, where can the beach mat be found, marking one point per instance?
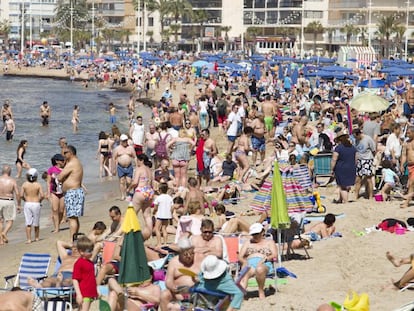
(268, 282)
(320, 217)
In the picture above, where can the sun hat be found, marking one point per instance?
(123, 137)
(32, 172)
(212, 267)
(255, 228)
(58, 157)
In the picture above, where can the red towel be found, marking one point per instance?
(199, 154)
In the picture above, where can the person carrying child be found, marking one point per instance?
(163, 205)
(83, 277)
(389, 178)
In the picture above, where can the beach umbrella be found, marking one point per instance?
(279, 217)
(369, 102)
(199, 63)
(373, 83)
(133, 268)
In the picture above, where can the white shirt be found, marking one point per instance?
(393, 144)
(164, 203)
(137, 134)
(232, 119)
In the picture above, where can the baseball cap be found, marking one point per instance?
(123, 137)
(255, 228)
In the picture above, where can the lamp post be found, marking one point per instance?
(30, 25)
(93, 28)
(139, 16)
(71, 27)
(369, 22)
(22, 30)
(406, 30)
(144, 29)
(302, 30)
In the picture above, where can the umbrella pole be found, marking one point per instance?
(125, 299)
(279, 247)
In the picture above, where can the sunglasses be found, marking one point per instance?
(207, 232)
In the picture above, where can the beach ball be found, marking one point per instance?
(44, 41)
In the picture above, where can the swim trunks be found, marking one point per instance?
(125, 171)
(365, 167)
(258, 144)
(7, 209)
(32, 213)
(268, 123)
(74, 202)
(410, 169)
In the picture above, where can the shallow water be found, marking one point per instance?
(26, 96)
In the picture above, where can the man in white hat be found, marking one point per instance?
(215, 277)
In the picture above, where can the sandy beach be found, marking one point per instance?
(356, 261)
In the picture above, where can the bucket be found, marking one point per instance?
(378, 197)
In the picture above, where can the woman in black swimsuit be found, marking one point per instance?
(20, 163)
(104, 153)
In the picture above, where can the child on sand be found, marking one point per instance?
(32, 194)
(163, 205)
(323, 229)
(389, 177)
(84, 275)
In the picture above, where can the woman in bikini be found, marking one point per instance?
(143, 195)
(54, 191)
(257, 253)
(75, 118)
(242, 148)
(104, 148)
(180, 156)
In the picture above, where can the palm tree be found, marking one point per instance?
(160, 6)
(200, 17)
(386, 27)
(226, 30)
(252, 33)
(178, 9)
(331, 32)
(175, 28)
(314, 28)
(364, 36)
(399, 39)
(350, 30)
(5, 31)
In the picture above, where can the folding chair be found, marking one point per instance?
(32, 265)
(57, 305)
(322, 168)
(297, 227)
(231, 242)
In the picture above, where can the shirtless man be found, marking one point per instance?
(45, 113)
(71, 178)
(195, 195)
(112, 112)
(299, 131)
(177, 281)
(407, 156)
(207, 243)
(210, 150)
(176, 119)
(269, 112)
(151, 140)
(258, 138)
(123, 156)
(19, 300)
(63, 277)
(8, 192)
(9, 128)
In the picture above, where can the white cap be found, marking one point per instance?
(123, 137)
(256, 228)
(32, 172)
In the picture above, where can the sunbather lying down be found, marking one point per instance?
(18, 299)
(407, 276)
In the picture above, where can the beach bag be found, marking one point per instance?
(161, 150)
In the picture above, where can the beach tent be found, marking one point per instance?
(355, 56)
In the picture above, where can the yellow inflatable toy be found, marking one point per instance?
(356, 302)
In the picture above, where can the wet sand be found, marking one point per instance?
(353, 262)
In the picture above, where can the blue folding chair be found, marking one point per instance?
(32, 265)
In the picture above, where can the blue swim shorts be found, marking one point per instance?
(125, 171)
(259, 144)
(74, 202)
(254, 261)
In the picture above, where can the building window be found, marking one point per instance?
(150, 21)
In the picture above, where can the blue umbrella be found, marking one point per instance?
(337, 68)
(374, 83)
(295, 75)
(200, 63)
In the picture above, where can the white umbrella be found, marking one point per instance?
(369, 102)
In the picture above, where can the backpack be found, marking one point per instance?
(161, 147)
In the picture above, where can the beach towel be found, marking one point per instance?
(301, 173)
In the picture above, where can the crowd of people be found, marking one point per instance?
(266, 120)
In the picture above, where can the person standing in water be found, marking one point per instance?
(45, 113)
(75, 118)
(20, 163)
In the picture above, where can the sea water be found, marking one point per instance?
(27, 94)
